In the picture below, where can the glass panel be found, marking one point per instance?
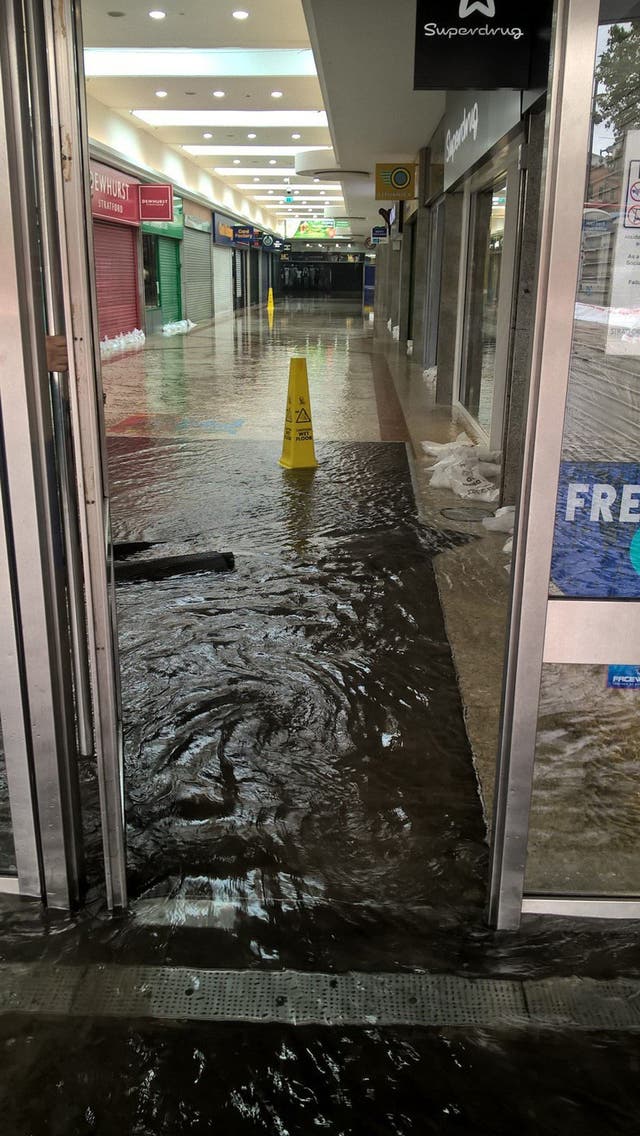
(585, 819)
(487, 240)
(7, 850)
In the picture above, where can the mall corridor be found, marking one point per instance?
(306, 946)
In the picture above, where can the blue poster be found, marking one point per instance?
(623, 677)
(596, 550)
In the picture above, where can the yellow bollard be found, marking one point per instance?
(270, 303)
(297, 446)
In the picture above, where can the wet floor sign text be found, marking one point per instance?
(297, 447)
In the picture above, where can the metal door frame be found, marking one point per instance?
(543, 629)
(59, 662)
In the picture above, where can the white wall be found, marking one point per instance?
(148, 153)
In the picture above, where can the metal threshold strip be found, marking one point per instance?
(296, 998)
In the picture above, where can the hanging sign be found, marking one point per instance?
(395, 182)
(596, 548)
(623, 332)
(173, 228)
(378, 234)
(114, 196)
(156, 202)
(480, 44)
(242, 234)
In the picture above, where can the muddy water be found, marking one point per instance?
(150, 1081)
(293, 729)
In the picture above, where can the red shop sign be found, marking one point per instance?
(156, 202)
(114, 195)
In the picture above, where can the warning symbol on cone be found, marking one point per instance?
(297, 447)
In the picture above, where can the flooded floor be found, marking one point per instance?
(300, 788)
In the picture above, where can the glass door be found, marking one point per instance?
(567, 831)
(483, 295)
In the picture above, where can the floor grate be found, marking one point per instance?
(298, 998)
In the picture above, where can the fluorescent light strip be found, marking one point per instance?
(201, 150)
(281, 187)
(255, 171)
(254, 119)
(132, 62)
(267, 197)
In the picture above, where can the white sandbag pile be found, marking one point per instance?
(131, 341)
(180, 327)
(503, 521)
(469, 470)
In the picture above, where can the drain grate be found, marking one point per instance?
(297, 998)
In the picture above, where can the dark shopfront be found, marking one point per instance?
(322, 274)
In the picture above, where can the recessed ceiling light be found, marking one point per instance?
(272, 162)
(157, 14)
(296, 193)
(276, 94)
(270, 191)
(218, 94)
(240, 14)
(322, 193)
(207, 135)
(236, 161)
(256, 179)
(296, 136)
(250, 135)
(161, 94)
(316, 179)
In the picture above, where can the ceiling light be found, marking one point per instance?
(270, 191)
(213, 62)
(250, 135)
(218, 94)
(161, 94)
(316, 179)
(272, 162)
(296, 136)
(236, 161)
(256, 179)
(322, 193)
(276, 94)
(207, 135)
(157, 14)
(296, 193)
(249, 119)
(240, 14)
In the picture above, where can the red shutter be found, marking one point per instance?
(116, 278)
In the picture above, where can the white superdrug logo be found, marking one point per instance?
(483, 31)
(469, 125)
(467, 7)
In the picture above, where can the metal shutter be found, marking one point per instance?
(197, 275)
(264, 273)
(222, 282)
(169, 276)
(116, 264)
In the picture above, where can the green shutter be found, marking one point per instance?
(169, 276)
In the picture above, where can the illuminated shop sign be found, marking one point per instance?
(483, 44)
(597, 533)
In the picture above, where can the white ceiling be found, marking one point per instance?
(364, 55)
(363, 51)
(218, 55)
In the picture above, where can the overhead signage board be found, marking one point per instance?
(223, 229)
(173, 228)
(199, 223)
(114, 196)
(395, 181)
(156, 202)
(596, 552)
(271, 243)
(480, 44)
(316, 229)
(243, 234)
(473, 122)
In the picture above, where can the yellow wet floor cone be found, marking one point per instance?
(270, 303)
(270, 314)
(297, 446)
